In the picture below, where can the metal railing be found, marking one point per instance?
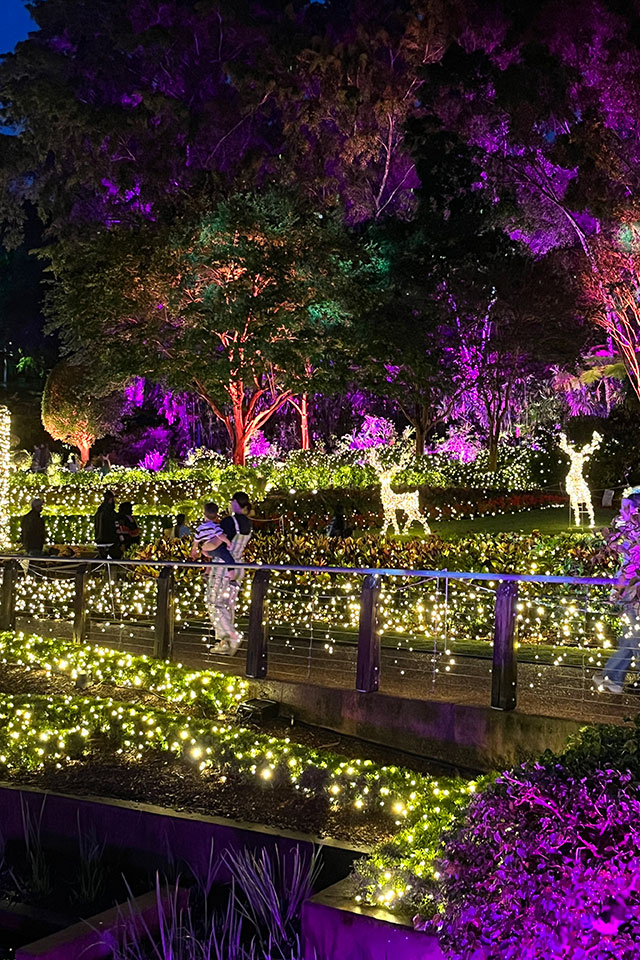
(480, 638)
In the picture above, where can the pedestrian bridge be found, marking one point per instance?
(422, 659)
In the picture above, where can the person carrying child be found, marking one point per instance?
(211, 544)
(225, 589)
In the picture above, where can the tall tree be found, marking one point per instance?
(72, 412)
(548, 97)
(244, 305)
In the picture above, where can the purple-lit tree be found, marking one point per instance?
(548, 98)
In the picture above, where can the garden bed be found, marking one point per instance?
(172, 782)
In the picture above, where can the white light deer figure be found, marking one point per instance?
(576, 485)
(392, 501)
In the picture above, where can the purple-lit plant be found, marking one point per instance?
(153, 461)
(259, 446)
(546, 865)
(374, 432)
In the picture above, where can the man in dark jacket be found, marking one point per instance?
(32, 529)
(107, 534)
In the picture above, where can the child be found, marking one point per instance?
(210, 541)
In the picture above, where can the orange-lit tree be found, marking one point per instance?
(246, 305)
(72, 414)
(612, 291)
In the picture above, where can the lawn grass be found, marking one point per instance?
(554, 520)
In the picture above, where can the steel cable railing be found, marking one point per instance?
(463, 636)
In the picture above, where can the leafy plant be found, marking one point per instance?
(90, 878)
(39, 871)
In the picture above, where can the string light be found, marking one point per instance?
(5, 465)
(576, 485)
(35, 730)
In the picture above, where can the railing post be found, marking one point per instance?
(8, 595)
(504, 675)
(164, 622)
(368, 666)
(258, 637)
(80, 603)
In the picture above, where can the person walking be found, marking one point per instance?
(225, 587)
(626, 542)
(107, 535)
(33, 532)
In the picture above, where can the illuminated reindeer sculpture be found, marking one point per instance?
(391, 501)
(576, 485)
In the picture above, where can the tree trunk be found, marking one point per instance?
(493, 451)
(239, 442)
(245, 418)
(304, 422)
(421, 430)
(84, 446)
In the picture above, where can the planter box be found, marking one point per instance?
(153, 837)
(333, 927)
(94, 939)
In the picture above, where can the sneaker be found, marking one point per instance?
(603, 682)
(234, 646)
(222, 648)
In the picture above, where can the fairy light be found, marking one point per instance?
(576, 484)
(5, 466)
(35, 730)
(71, 499)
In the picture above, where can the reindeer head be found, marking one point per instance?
(403, 454)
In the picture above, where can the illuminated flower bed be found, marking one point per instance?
(205, 690)
(542, 862)
(299, 513)
(38, 730)
(520, 468)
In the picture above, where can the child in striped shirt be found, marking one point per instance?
(209, 540)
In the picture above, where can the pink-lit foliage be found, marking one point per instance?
(152, 461)
(374, 432)
(546, 866)
(260, 446)
(461, 446)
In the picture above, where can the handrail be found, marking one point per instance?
(363, 571)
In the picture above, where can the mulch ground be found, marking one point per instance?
(176, 784)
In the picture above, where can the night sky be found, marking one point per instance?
(15, 23)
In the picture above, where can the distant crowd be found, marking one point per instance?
(41, 459)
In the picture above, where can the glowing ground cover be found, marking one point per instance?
(35, 730)
(414, 612)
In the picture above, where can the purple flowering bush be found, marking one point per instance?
(546, 865)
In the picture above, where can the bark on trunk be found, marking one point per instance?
(493, 452)
(84, 447)
(304, 423)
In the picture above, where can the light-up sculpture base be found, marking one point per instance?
(576, 485)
